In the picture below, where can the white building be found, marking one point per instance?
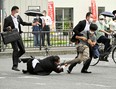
(67, 12)
(73, 11)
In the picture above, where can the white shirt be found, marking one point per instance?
(34, 62)
(15, 21)
(86, 27)
(46, 20)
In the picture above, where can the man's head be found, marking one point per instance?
(44, 12)
(89, 17)
(101, 19)
(15, 11)
(93, 28)
(57, 59)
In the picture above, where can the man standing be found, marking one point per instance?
(11, 22)
(78, 30)
(36, 31)
(46, 27)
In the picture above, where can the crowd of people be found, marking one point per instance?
(87, 33)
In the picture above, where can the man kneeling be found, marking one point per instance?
(43, 67)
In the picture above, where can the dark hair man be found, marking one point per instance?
(44, 66)
(13, 21)
(81, 27)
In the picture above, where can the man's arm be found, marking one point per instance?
(6, 24)
(24, 23)
(79, 27)
(105, 32)
(81, 38)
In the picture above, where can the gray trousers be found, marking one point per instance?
(81, 57)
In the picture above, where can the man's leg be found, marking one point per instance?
(87, 62)
(35, 40)
(48, 38)
(21, 48)
(43, 38)
(105, 41)
(72, 65)
(76, 60)
(39, 43)
(48, 35)
(14, 56)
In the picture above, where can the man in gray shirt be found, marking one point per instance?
(85, 42)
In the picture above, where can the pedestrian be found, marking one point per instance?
(78, 29)
(86, 43)
(37, 31)
(44, 66)
(11, 22)
(47, 22)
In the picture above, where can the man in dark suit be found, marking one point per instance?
(43, 67)
(79, 28)
(11, 22)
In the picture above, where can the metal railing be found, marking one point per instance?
(57, 39)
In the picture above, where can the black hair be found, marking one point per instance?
(88, 14)
(114, 18)
(44, 11)
(14, 8)
(56, 58)
(93, 27)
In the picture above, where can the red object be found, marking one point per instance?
(51, 10)
(93, 9)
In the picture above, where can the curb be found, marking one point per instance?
(41, 53)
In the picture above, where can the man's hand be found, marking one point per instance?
(33, 24)
(91, 43)
(9, 28)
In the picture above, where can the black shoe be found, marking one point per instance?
(68, 71)
(15, 68)
(86, 71)
(24, 71)
(19, 61)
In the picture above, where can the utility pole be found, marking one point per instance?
(1, 15)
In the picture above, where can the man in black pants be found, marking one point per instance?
(47, 22)
(82, 26)
(44, 66)
(11, 22)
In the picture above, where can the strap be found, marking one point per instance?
(87, 35)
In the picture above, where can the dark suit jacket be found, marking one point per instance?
(77, 29)
(45, 67)
(9, 22)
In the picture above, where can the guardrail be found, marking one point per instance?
(57, 39)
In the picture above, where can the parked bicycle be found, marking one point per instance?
(105, 55)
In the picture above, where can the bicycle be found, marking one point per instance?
(104, 55)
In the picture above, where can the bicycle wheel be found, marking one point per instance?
(94, 61)
(114, 55)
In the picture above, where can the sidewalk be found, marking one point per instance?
(37, 52)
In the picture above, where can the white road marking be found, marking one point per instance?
(97, 85)
(2, 77)
(28, 77)
(43, 84)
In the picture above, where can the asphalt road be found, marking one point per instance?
(103, 77)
